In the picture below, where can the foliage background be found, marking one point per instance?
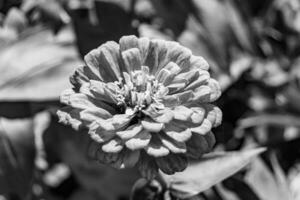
(253, 49)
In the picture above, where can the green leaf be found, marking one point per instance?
(210, 170)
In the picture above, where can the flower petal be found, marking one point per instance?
(156, 149)
(98, 134)
(141, 140)
(162, 51)
(172, 145)
(179, 54)
(69, 116)
(215, 90)
(151, 60)
(178, 131)
(147, 166)
(198, 115)
(93, 114)
(132, 59)
(197, 62)
(172, 163)
(130, 158)
(202, 94)
(182, 113)
(104, 62)
(130, 132)
(128, 42)
(143, 44)
(83, 75)
(151, 125)
(203, 128)
(113, 146)
(201, 80)
(197, 146)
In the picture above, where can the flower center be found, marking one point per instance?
(139, 89)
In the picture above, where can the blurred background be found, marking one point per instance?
(253, 48)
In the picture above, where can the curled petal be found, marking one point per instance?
(101, 91)
(130, 132)
(202, 94)
(198, 115)
(141, 140)
(113, 146)
(120, 121)
(93, 114)
(164, 117)
(82, 75)
(151, 125)
(173, 145)
(178, 99)
(69, 116)
(182, 113)
(97, 133)
(219, 116)
(203, 128)
(215, 89)
(156, 149)
(172, 163)
(178, 131)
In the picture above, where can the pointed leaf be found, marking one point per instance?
(210, 170)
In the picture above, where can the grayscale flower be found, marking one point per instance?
(146, 103)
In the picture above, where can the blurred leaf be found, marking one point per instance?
(240, 188)
(269, 119)
(265, 183)
(37, 66)
(114, 21)
(64, 144)
(17, 156)
(225, 193)
(281, 178)
(207, 172)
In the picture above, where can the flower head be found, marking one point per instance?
(145, 103)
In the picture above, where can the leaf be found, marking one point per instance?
(36, 67)
(210, 170)
(72, 147)
(266, 184)
(281, 178)
(269, 119)
(109, 27)
(16, 156)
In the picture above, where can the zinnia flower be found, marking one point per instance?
(145, 103)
